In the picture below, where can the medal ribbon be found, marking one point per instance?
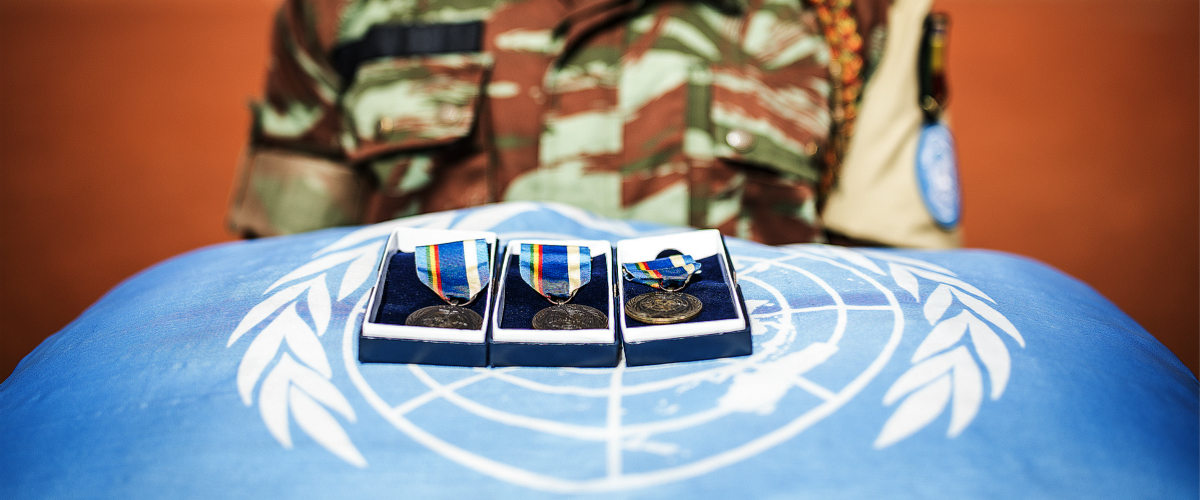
(556, 271)
(456, 271)
(671, 272)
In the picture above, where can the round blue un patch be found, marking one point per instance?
(937, 175)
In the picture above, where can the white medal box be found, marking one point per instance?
(513, 340)
(386, 339)
(722, 328)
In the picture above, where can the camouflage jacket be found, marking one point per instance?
(710, 113)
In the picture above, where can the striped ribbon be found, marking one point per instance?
(671, 272)
(456, 271)
(556, 271)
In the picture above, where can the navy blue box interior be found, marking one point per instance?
(522, 302)
(404, 293)
(709, 286)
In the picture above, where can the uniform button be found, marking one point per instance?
(740, 140)
(810, 148)
(386, 126)
(449, 114)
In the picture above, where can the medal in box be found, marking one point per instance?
(679, 299)
(554, 305)
(431, 303)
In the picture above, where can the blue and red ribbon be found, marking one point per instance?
(671, 272)
(456, 271)
(555, 271)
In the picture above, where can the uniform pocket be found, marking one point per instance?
(412, 103)
(760, 120)
(761, 132)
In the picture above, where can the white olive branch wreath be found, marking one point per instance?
(946, 365)
(299, 383)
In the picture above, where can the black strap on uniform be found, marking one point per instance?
(931, 66)
(407, 40)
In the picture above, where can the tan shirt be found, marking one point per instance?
(877, 197)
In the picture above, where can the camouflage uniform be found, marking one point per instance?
(706, 113)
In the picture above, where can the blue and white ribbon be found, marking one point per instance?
(456, 271)
(555, 271)
(665, 273)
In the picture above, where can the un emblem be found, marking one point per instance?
(825, 322)
(937, 174)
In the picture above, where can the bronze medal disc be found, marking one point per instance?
(445, 316)
(570, 317)
(663, 308)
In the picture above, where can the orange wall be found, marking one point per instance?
(121, 121)
(1078, 127)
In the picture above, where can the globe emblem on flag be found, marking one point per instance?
(825, 322)
(588, 429)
